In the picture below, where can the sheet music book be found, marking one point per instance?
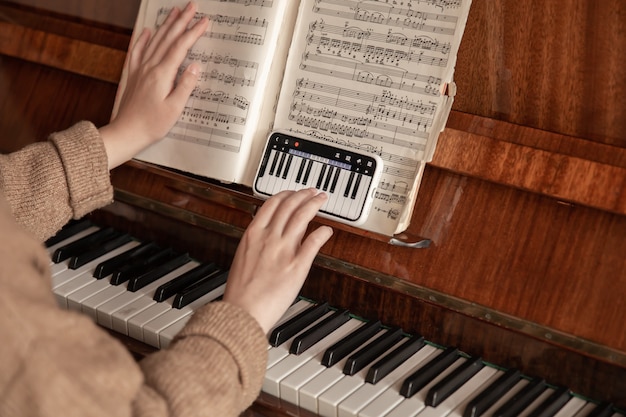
(375, 75)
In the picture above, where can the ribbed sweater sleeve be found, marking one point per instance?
(58, 362)
(48, 183)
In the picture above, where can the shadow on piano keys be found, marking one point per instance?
(322, 360)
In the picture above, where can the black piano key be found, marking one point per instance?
(522, 399)
(346, 192)
(356, 186)
(300, 170)
(488, 397)
(350, 343)
(287, 166)
(317, 332)
(418, 379)
(553, 403)
(167, 265)
(69, 230)
(279, 170)
(140, 265)
(264, 162)
(81, 245)
(333, 186)
(179, 283)
(373, 350)
(386, 365)
(196, 290)
(114, 243)
(328, 178)
(448, 385)
(291, 327)
(604, 409)
(305, 180)
(109, 266)
(274, 161)
(320, 179)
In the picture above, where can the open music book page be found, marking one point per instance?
(242, 55)
(373, 75)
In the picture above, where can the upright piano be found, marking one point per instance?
(516, 252)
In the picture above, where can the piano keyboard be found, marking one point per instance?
(320, 358)
(346, 176)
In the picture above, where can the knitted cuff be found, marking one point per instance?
(86, 166)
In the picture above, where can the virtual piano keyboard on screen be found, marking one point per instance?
(321, 358)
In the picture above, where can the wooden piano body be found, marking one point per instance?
(524, 204)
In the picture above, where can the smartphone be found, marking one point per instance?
(349, 176)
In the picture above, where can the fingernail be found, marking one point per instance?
(194, 68)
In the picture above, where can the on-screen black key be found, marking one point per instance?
(346, 192)
(307, 172)
(69, 230)
(356, 186)
(279, 170)
(165, 266)
(287, 166)
(196, 290)
(386, 365)
(317, 332)
(300, 170)
(106, 247)
(109, 266)
(488, 397)
(291, 327)
(448, 385)
(141, 265)
(335, 179)
(604, 409)
(350, 343)
(553, 403)
(179, 283)
(328, 178)
(372, 351)
(84, 244)
(320, 179)
(418, 379)
(522, 399)
(274, 161)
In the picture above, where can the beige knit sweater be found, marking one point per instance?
(55, 362)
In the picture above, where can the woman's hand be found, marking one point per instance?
(272, 260)
(153, 99)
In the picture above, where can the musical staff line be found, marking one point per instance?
(362, 15)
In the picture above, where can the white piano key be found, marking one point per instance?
(137, 322)
(351, 406)
(456, 403)
(329, 400)
(106, 310)
(586, 409)
(396, 405)
(311, 391)
(119, 319)
(571, 408)
(276, 373)
(152, 328)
